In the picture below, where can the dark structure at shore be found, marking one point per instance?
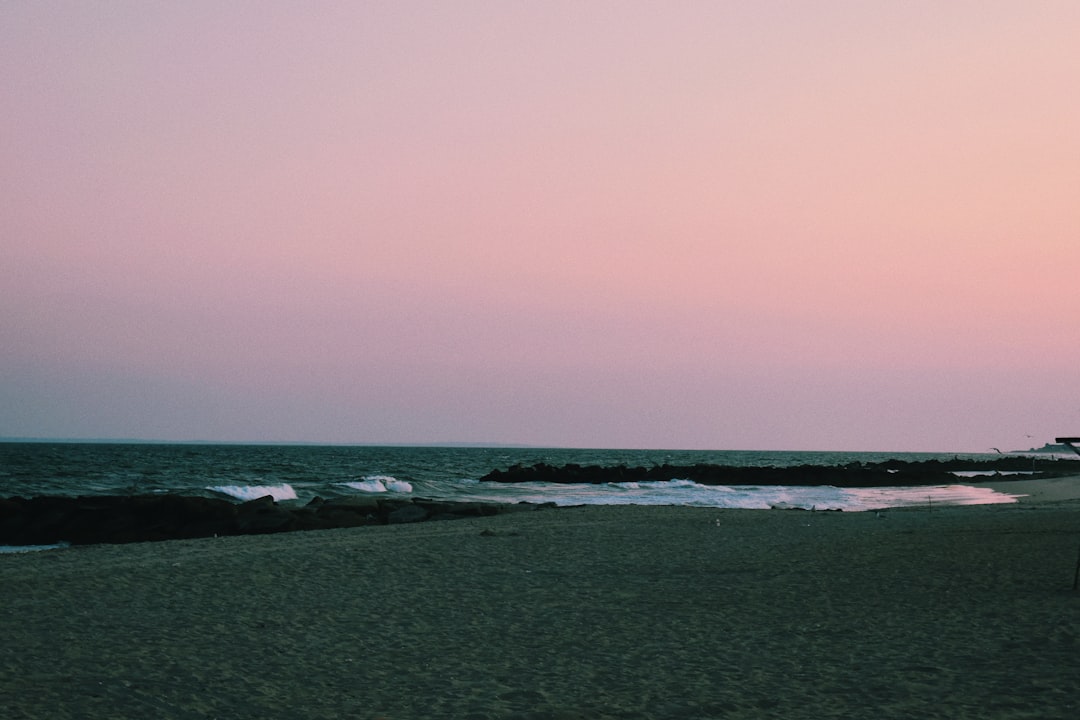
(892, 473)
(90, 520)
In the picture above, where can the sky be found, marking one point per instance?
(770, 224)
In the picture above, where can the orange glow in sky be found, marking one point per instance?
(835, 225)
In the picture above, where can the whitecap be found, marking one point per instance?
(380, 484)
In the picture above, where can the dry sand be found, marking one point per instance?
(574, 613)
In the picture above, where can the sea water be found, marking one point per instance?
(299, 473)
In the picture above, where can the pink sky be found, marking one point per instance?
(731, 225)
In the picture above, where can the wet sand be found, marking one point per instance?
(1043, 490)
(602, 612)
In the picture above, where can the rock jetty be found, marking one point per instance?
(87, 520)
(891, 473)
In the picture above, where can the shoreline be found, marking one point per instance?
(630, 612)
(88, 520)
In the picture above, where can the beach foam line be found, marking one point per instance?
(989, 473)
(745, 497)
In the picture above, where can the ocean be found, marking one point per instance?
(299, 473)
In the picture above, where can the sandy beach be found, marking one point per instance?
(601, 612)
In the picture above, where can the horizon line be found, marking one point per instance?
(461, 444)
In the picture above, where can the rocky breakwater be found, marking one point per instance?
(47, 520)
(892, 473)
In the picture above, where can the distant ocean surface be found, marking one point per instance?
(299, 473)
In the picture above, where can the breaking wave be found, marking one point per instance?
(253, 492)
(380, 484)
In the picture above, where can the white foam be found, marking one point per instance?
(380, 484)
(253, 492)
(877, 498)
(750, 497)
(989, 473)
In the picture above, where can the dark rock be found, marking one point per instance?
(335, 515)
(364, 503)
(407, 514)
(48, 520)
(113, 519)
(263, 515)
